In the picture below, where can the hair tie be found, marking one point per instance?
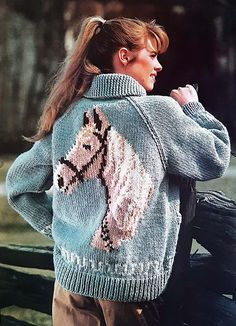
(100, 27)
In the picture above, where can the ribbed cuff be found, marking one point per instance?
(197, 112)
(192, 108)
(47, 231)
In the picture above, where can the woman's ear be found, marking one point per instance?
(121, 59)
(124, 56)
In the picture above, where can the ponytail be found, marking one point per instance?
(72, 79)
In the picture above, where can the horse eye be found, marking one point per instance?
(87, 147)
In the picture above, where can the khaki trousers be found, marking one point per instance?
(70, 309)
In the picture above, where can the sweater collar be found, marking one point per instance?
(114, 85)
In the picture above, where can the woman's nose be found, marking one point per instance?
(158, 66)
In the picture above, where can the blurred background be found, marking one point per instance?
(35, 37)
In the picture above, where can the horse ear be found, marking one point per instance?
(87, 118)
(97, 120)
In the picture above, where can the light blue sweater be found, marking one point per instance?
(114, 214)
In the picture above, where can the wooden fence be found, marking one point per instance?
(208, 280)
(213, 276)
(24, 289)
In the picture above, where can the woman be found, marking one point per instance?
(110, 151)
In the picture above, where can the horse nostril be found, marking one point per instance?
(60, 182)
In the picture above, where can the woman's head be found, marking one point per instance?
(112, 35)
(128, 46)
(116, 45)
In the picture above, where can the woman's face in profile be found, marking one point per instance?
(145, 66)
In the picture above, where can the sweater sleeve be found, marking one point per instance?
(193, 142)
(204, 142)
(28, 179)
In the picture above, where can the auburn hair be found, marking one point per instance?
(92, 54)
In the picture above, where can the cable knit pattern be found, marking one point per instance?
(115, 215)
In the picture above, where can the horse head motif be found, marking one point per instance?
(84, 159)
(102, 152)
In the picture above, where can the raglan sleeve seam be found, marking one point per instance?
(152, 131)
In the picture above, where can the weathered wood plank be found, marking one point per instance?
(215, 226)
(207, 308)
(27, 256)
(210, 274)
(10, 321)
(26, 290)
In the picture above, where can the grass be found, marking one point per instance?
(226, 184)
(14, 230)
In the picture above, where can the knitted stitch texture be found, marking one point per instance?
(114, 214)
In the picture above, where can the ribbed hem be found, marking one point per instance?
(98, 286)
(114, 86)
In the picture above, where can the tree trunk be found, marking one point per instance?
(31, 46)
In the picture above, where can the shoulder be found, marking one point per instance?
(157, 105)
(155, 101)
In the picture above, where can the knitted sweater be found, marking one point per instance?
(114, 213)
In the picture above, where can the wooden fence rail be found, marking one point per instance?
(213, 276)
(209, 278)
(24, 289)
(27, 256)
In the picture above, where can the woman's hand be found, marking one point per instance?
(184, 95)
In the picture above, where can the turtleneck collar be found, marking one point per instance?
(114, 85)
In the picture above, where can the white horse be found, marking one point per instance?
(101, 152)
